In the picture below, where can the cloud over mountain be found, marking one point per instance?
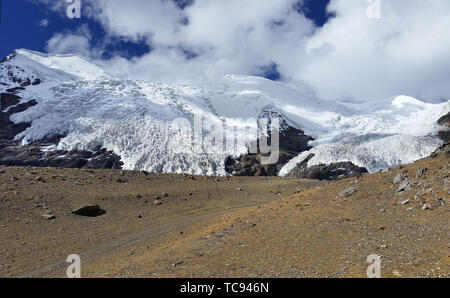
(406, 51)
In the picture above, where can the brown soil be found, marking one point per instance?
(223, 227)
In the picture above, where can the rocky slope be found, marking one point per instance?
(42, 219)
(157, 225)
(329, 231)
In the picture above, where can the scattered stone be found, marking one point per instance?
(426, 206)
(119, 180)
(418, 196)
(399, 178)
(442, 201)
(383, 210)
(396, 273)
(157, 198)
(239, 189)
(139, 216)
(404, 186)
(89, 211)
(164, 195)
(421, 172)
(384, 246)
(157, 203)
(177, 264)
(348, 192)
(1, 171)
(48, 216)
(404, 202)
(39, 178)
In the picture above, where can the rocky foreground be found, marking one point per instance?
(136, 224)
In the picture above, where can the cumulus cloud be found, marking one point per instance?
(406, 51)
(75, 43)
(207, 39)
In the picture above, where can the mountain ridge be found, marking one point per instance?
(136, 120)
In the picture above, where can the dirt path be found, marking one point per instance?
(57, 269)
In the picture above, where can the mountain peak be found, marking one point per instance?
(72, 65)
(138, 120)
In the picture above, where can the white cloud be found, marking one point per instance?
(76, 43)
(234, 36)
(407, 51)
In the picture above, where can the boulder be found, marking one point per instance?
(348, 192)
(89, 211)
(404, 186)
(420, 172)
(48, 216)
(399, 178)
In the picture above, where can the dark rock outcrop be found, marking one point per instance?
(331, 172)
(443, 150)
(12, 153)
(445, 134)
(10, 104)
(292, 142)
(445, 120)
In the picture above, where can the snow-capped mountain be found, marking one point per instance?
(154, 126)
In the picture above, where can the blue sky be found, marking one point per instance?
(21, 28)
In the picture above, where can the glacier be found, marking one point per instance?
(150, 124)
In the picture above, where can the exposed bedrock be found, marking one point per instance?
(12, 153)
(292, 142)
(330, 172)
(445, 134)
